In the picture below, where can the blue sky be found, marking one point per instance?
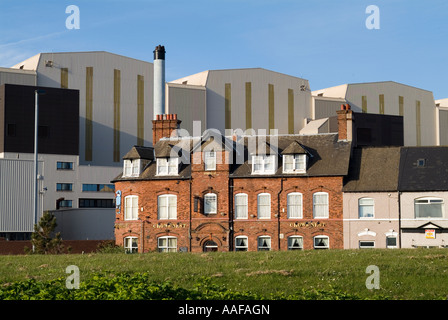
(324, 41)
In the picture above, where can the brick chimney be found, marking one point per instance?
(345, 123)
(163, 126)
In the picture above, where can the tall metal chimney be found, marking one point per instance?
(159, 81)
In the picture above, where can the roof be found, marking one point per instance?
(431, 176)
(139, 152)
(373, 169)
(327, 155)
(294, 148)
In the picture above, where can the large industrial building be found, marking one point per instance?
(119, 97)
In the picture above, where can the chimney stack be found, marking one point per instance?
(163, 126)
(345, 123)
(159, 81)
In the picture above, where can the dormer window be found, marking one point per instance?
(167, 166)
(131, 168)
(294, 163)
(263, 164)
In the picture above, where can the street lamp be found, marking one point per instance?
(37, 92)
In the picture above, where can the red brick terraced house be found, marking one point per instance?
(246, 193)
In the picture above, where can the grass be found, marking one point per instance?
(404, 274)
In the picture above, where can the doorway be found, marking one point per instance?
(210, 246)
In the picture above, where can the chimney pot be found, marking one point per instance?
(342, 106)
(175, 116)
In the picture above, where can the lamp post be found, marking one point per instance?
(36, 163)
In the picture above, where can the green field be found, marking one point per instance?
(333, 274)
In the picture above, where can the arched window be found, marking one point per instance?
(295, 243)
(264, 243)
(131, 208)
(366, 208)
(210, 203)
(131, 244)
(321, 242)
(428, 207)
(167, 244)
(264, 206)
(320, 205)
(294, 205)
(241, 206)
(241, 243)
(167, 206)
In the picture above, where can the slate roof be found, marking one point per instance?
(139, 152)
(432, 176)
(373, 169)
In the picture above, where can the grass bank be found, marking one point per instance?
(403, 274)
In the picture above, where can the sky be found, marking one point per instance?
(324, 41)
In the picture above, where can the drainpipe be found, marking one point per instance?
(191, 192)
(278, 210)
(230, 214)
(399, 219)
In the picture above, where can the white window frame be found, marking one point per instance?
(210, 209)
(128, 244)
(298, 163)
(262, 161)
(131, 208)
(289, 206)
(326, 206)
(167, 212)
(263, 238)
(396, 242)
(240, 247)
(167, 166)
(209, 160)
(131, 168)
(321, 237)
(361, 246)
(263, 207)
(290, 240)
(366, 205)
(167, 247)
(242, 206)
(429, 200)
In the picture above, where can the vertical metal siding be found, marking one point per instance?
(16, 195)
(89, 114)
(117, 98)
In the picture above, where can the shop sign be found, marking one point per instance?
(430, 233)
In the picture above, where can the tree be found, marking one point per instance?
(42, 237)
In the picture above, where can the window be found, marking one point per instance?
(321, 242)
(64, 165)
(366, 208)
(43, 131)
(130, 245)
(295, 243)
(96, 203)
(264, 243)
(241, 243)
(366, 244)
(167, 244)
(131, 208)
(167, 206)
(11, 130)
(64, 186)
(241, 206)
(264, 206)
(294, 205)
(167, 166)
(264, 164)
(210, 203)
(98, 187)
(294, 163)
(421, 162)
(64, 204)
(320, 205)
(131, 168)
(210, 160)
(391, 242)
(428, 208)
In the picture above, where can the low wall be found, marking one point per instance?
(75, 246)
